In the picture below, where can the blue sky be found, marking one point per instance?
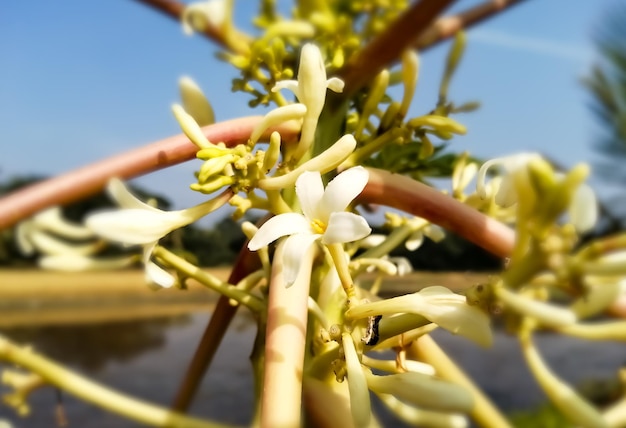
(82, 80)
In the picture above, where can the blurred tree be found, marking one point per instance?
(607, 84)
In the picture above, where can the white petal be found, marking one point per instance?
(439, 305)
(312, 79)
(506, 195)
(423, 391)
(345, 227)
(402, 264)
(52, 220)
(76, 263)
(134, 226)
(372, 240)
(51, 245)
(278, 226)
(159, 276)
(197, 16)
(195, 102)
(295, 248)
(343, 189)
(583, 210)
(291, 85)
(22, 240)
(482, 177)
(435, 233)
(414, 241)
(335, 84)
(310, 190)
(124, 198)
(360, 406)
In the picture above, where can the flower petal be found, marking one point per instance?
(52, 220)
(360, 406)
(124, 198)
(583, 210)
(414, 241)
(158, 276)
(134, 226)
(343, 189)
(310, 190)
(439, 305)
(345, 227)
(291, 85)
(22, 240)
(77, 263)
(295, 248)
(506, 194)
(423, 391)
(278, 226)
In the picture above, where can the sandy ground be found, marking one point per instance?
(29, 297)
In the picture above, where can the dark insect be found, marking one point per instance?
(371, 333)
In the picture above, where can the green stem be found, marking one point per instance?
(370, 148)
(132, 408)
(341, 264)
(228, 290)
(484, 413)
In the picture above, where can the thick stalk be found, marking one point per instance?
(406, 194)
(285, 342)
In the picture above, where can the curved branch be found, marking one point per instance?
(448, 26)
(91, 179)
(174, 10)
(388, 45)
(384, 188)
(406, 194)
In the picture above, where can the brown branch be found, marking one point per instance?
(221, 318)
(448, 26)
(389, 45)
(408, 195)
(174, 10)
(91, 179)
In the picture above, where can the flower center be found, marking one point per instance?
(318, 226)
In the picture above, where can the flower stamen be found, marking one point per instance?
(318, 226)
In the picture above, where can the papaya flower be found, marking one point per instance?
(510, 167)
(310, 89)
(437, 304)
(323, 219)
(200, 15)
(582, 210)
(138, 223)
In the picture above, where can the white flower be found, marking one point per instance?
(437, 304)
(423, 391)
(50, 233)
(324, 217)
(138, 223)
(582, 210)
(198, 16)
(510, 166)
(310, 89)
